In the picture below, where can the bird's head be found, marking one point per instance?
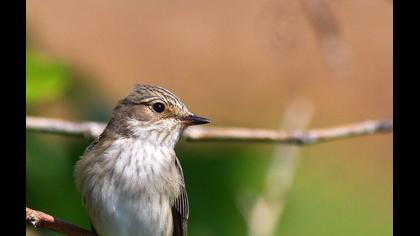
(153, 114)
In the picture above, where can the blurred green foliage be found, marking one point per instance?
(49, 159)
(45, 78)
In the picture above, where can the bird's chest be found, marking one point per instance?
(145, 215)
(143, 169)
(138, 190)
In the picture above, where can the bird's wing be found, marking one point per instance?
(93, 144)
(93, 229)
(180, 208)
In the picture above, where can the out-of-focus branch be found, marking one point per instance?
(57, 126)
(93, 129)
(43, 220)
(268, 207)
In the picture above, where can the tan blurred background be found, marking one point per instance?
(240, 63)
(229, 59)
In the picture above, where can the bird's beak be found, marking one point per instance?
(194, 120)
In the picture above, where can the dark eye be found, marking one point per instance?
(158, 107)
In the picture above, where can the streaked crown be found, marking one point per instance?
(149, 94)
(148, 109)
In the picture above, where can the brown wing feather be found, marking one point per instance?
(180, 208)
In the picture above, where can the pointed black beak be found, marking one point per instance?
(194, 120)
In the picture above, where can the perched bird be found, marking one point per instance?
(130, 179)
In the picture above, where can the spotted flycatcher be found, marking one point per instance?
(130, 179)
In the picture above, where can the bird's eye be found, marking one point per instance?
(158, 107)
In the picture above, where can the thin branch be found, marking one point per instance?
(57, 126)
(197, 133)
(42, 220)
(93, 129)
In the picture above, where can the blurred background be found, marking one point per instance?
(240, 63)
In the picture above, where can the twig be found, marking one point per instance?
(93, 129)
(40, 219)
(57, 126)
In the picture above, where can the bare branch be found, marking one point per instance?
(93, 129)
(57, 126)
(40, 219)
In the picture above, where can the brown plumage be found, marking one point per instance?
(130, 179)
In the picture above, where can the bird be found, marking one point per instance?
(129, 178)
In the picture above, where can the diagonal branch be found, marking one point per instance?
(42, 220)
(267, 209)
(93, 129)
